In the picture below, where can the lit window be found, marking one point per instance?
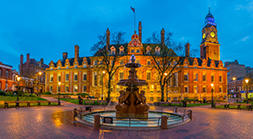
(121, 75)
(75, 88)
(204, 89)
(220, 78)
(195, 89)
(186, 77)
(84, 88)
(196, 77)
(212, 78)
(148, 75)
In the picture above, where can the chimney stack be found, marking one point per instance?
(27, 57)
(64, 55)
(21, 59)
(107, 38)
(162, 36)
(187, 50)
(140, 31)
(41, 61)
(76, 52)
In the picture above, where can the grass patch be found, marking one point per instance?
(85, 102)
(14, 98)
(188, 105)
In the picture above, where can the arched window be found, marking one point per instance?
(113, 50)
(121, 50)
(157, 50)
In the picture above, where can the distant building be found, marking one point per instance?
(7, 78)
(30, 71)
(236, 79)
(83, 74)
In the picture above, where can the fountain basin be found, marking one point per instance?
(152, 122)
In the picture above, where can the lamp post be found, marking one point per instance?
(212, 95)
(234, 82)
(40, 73)
(59, 101)
(18, 79)
(103, 84)
(247, 91)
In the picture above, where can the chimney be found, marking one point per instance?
(64, 55)
(41, 61)
(21, 59)
(76, 52)
(140, 31)
(187, 50)
(27, 57)
(162, 36)
(107, 38)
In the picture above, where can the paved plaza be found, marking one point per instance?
(56, 122)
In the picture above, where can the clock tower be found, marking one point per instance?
(210, 47)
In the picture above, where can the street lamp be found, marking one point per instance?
(103, 84)
(40, 73)
(59, 102)
(212, 95)
(247, 91)
(18, 79)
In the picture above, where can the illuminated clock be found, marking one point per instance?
(212, 34)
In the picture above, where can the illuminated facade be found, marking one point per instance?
(7, 78)
(191, 79)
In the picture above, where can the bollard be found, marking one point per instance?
(175, 109)
(74, 113)
(190, 114)
(164, 122)
(96, 121)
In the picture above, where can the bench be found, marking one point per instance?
(28, 103)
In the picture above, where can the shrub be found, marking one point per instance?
(48, 93)
(2, 93)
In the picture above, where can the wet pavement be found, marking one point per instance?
(56, 122)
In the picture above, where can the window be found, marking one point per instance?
(84, 76)
(67, 77)
(204, 89)
(121, 62)
(148, 75)
(7, 74)
(0, 73)
(175, 98)
(204, 77)
(132, 51)
(95, 80)
(51, 88)
(220, 78)
(151, 99)
(220, 89)
(67, 89)
(121, 75)
(195, 89)
(51, 78)
(59, 89)
(137, 51)
(84, 88)
(186, 89)
(75, 76)
(95, 62)
(196, 77)
(75, 88)
(185, 76)
(212, 78)
(59, 77)
(158, 99)
(149, 63)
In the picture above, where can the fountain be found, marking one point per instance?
(132, 110)
(132, 102)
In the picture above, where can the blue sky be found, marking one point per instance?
(46, 28)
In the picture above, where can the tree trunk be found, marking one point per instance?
(162, 93)
(109, 90)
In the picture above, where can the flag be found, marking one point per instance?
(132, 9)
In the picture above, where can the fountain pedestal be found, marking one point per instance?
(132, 102)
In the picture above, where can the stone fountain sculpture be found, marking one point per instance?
(132, 102)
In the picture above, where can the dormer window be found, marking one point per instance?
(157, 50)
(113, 50)
(132, 51)
(121, 50)
(148, 49)
(137, 51)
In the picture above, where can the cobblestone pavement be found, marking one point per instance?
(56, 122)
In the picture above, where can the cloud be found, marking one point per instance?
(248, 7)
(244, 39)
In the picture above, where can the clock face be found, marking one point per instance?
(204, 36)
(212, 34)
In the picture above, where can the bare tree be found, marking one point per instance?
(165, 61)
(109, 58)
